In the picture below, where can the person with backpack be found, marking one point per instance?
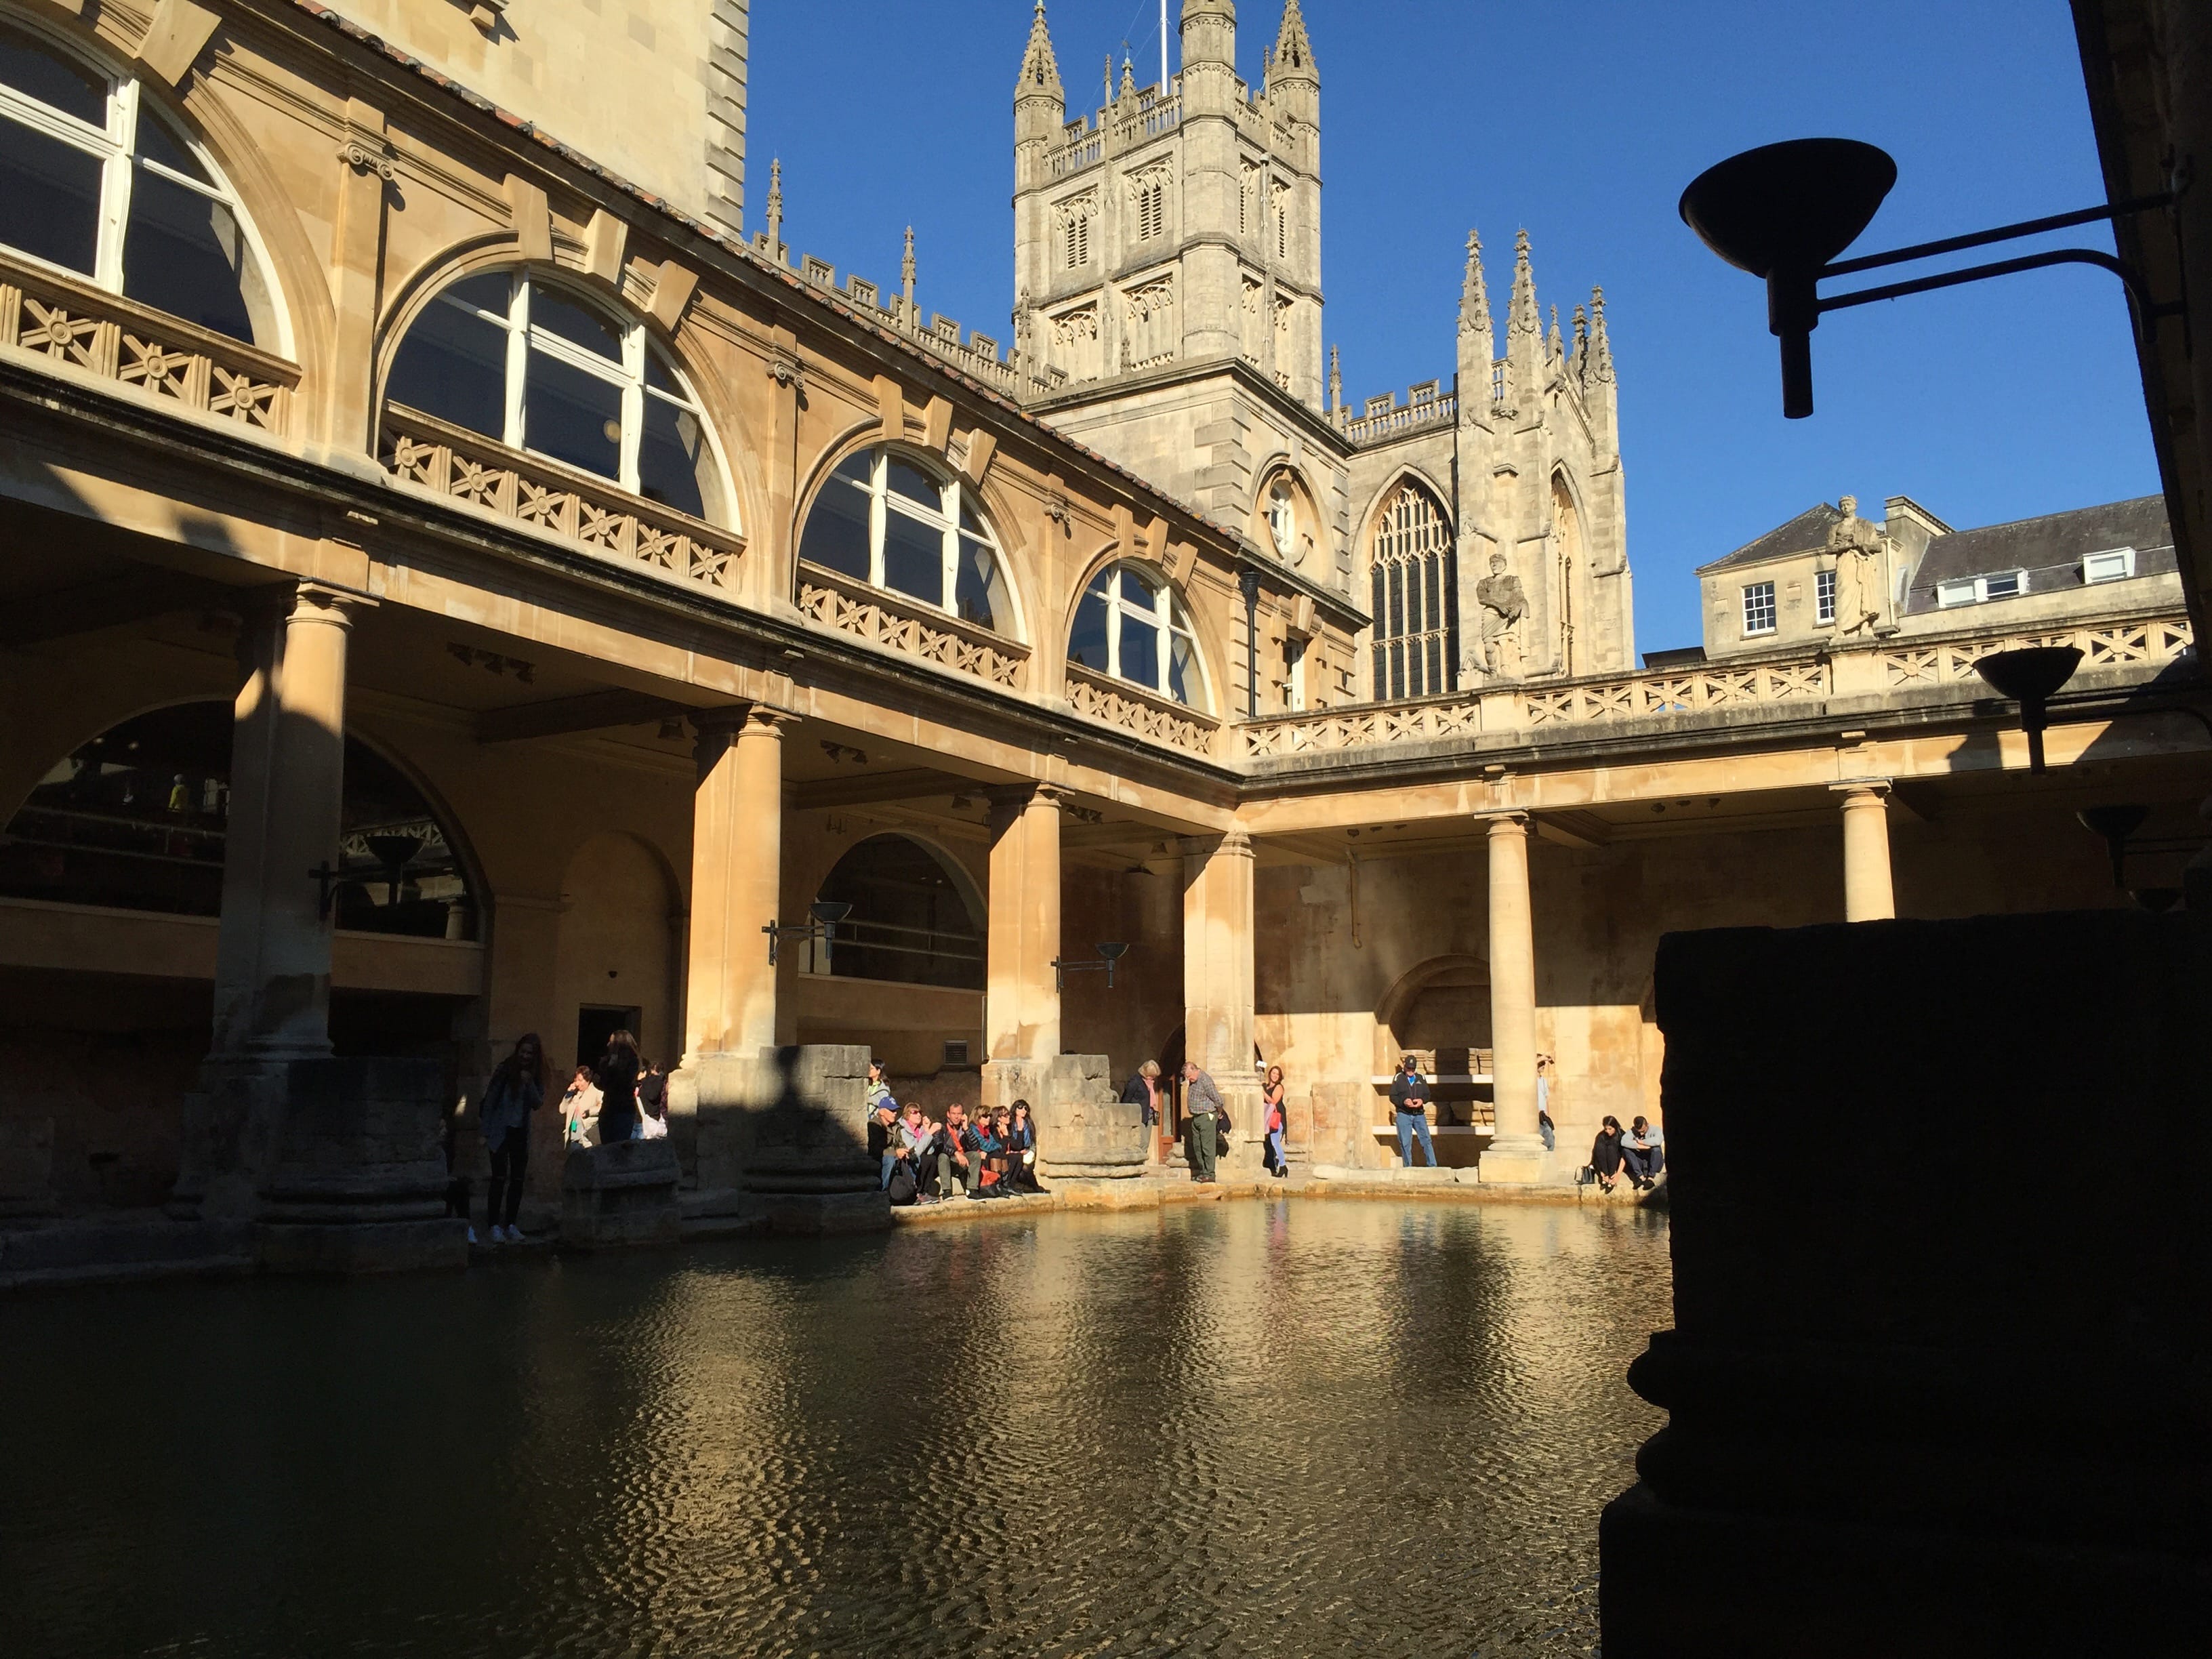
(1271, 1107)
(511, 1098)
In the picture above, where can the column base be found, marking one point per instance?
(620, 1196)
(1513, 1161)
(1084, 1131)
(787, 1129)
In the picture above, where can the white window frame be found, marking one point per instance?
(1824, 599)
(1752, 603)
(884, 501)
(115, 145)
(1165, 612)
(2122, 560)
(1294, 674)
(628, 374)
(1975, 590)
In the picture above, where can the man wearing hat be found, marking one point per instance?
(1409, 1097)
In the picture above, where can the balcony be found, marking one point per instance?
(1144, 714)
(72, 324)
(459, 466)
(898, 624)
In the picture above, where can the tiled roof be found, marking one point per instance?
(1802, 534)
(2049, 548)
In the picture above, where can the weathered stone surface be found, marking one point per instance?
(787, 1130)
(1952, 1421)
(624, 1194)
(1083, 1129)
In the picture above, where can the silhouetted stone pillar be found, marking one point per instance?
(1868, 895)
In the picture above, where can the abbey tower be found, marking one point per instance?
(1168, 275)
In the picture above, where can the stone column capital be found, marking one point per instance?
(1860, 792)
(321, 602)
(1008, 801)
(1512, 821)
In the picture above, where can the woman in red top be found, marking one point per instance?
(1271, 1113)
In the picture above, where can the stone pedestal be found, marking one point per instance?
(1084, 1130)
(26, 1167)
(1946, 1402)
(785, 1131)
(357, 1182)
(619, 1196)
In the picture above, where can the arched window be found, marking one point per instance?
(882, 520)
(1416, 597)
(910, 921)
(1131, 624)
(137, 820)
(93, 182)
(532, 366)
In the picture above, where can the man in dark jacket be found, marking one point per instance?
(957, 1154)
(1409, 1099)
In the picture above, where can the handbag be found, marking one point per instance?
(1221, 1135)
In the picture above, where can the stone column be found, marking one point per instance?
(737, 863)
(1867, 893)
(272, 991)
(1021, 999)
(1516, 1153)
(1218, 976)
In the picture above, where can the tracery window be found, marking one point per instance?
(1415, 579)
(94, 181)
(1132, 625)
(882, 520)
(531, 366)
(1151, 194)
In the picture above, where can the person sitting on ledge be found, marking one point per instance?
(991, 1160)
(956, 1154)
(1021, 1148)
(1643, 1149)
(1605, 1153)
(882, 1139)
(910, 1139)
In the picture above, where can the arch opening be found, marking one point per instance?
(1132, 625)
(915, 920)
(138, 819)
(887, 518)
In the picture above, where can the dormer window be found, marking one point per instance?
(2114, 564)
(95, 182)
(1978, 590)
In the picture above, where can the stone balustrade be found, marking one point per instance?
(458, 465)
(1885, 670)
(908, 626)
(1150, 716)
(85, 328)
(1396, 422)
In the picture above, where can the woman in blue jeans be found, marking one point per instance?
(1271, 1113)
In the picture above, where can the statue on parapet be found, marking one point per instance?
(1503, 605)
(1860, 595)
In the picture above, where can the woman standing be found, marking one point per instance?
(512, 1097)
(617, 1077)
(1021, 1147)
(1271, 1113)
(580, 1110)
(1604, 1152)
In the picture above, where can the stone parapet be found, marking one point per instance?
(1084, 1131)
(621, 1195)
(787, 1130)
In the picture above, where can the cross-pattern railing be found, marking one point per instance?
(2146, 643)
(165, 357)
(868, 613)
(1117, 702)
(458, 465)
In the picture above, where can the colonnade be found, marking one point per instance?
(273, 968)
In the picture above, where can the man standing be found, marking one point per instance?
(1409, 1099)
(1203, 1111)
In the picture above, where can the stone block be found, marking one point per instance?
(1953, 1419)
(1084, 1131)
(787, 1128)
(357, 1180)
(27, 1166)
(619, 1196)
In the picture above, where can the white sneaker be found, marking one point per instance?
(511, 1235)
(472, 1235)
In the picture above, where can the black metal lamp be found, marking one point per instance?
(395, 852)
(2114, 825)
(1063, 966)
(2031, 676)
(1785, 211)
(827, 914)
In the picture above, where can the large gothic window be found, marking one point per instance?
(534, 366)
(1415, 597)
(881, 519)
(93, 182)
(1132, 625)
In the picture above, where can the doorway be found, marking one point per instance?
(596, 1022)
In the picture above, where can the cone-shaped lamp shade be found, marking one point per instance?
(2028, 676)
(1792, 206)
(1783, 211)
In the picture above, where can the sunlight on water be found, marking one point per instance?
(1238, 1429)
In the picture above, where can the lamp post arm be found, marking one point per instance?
(2140, 300)
(2002, 234)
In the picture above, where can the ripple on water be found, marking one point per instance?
(1236, 1429)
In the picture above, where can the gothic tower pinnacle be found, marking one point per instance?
(1524, 324)
(1039, 101)
(1293, 78)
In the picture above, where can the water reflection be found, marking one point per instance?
(1294, 1428)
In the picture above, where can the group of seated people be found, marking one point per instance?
(1640, 1149)
(991, 1155)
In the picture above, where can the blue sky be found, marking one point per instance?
(1581, 122)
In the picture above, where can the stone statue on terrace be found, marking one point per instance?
(1504, 604)
(1861, 596)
